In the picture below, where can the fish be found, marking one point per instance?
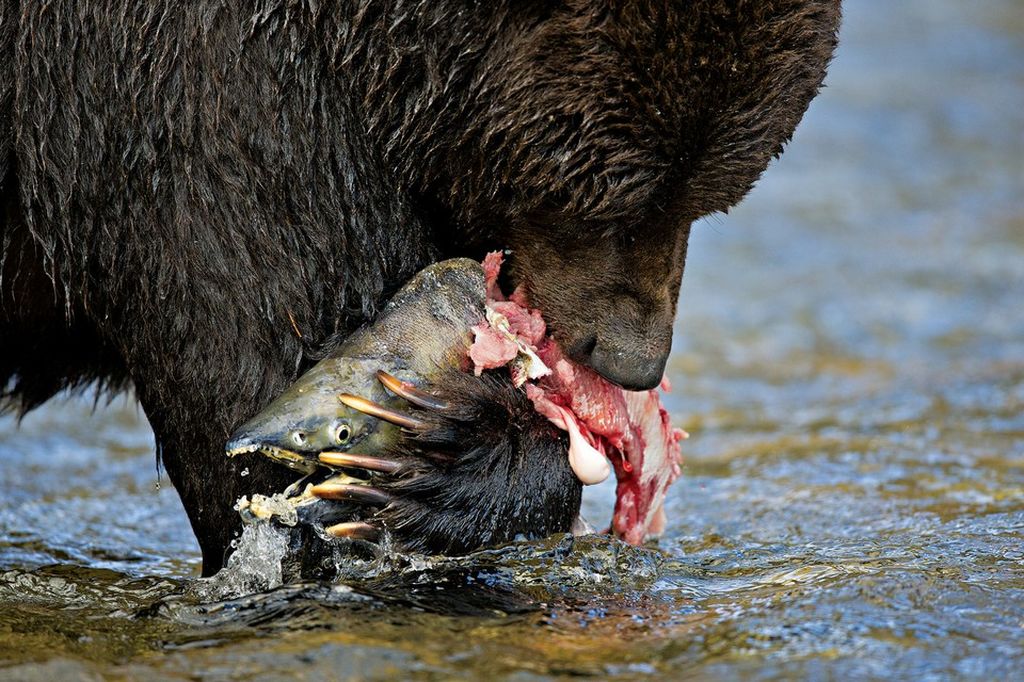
(348, 400)
(353, 405)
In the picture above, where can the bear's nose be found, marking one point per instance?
(631, 368)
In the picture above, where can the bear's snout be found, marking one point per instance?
(622, 362)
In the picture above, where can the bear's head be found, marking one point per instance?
(586, 136)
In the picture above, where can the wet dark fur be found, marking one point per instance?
(200, 198)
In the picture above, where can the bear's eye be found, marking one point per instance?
(342, 433)
(298, 437)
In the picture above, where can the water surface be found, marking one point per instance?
(849, 359)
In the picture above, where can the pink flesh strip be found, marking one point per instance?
(604, 422)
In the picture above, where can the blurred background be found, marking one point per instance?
(849, 359)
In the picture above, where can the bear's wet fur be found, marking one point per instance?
(200, 199)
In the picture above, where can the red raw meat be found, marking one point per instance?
(631, 429)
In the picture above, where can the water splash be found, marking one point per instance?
(277, 548)
(255, 565)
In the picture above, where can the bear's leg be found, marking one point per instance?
(192, 425)
(193, 391)
(210, 484)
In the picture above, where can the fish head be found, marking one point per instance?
(422, 331)
(311, 418)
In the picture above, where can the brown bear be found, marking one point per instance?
(201, 199)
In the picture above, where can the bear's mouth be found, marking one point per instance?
(605, 422)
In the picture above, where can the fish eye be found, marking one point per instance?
(298, 437)
(342, 433)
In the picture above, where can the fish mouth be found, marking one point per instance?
(328, 459)
(291, 459)
(329, 478)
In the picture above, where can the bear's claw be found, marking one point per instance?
(404, 389)
(353, 461)
(379, 411)
(475, 465)
(362, 494)
(354, 530)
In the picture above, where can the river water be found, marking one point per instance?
(849, 359)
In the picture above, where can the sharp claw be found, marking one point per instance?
(351, 493)
(377, 410)
(414, 395)
(353, 530)
(346, 459)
